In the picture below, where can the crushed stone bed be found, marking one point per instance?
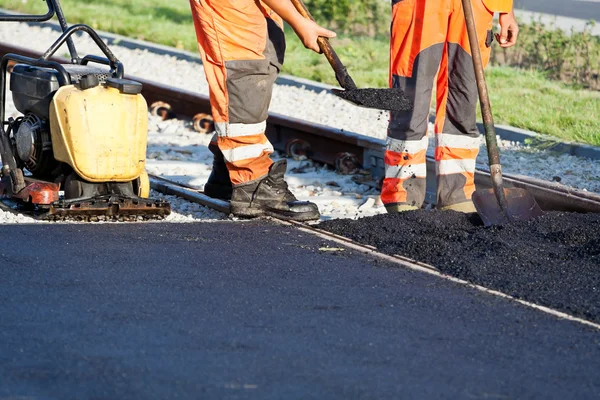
(553, 260)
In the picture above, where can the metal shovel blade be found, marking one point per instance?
(521, 206)
(393, 99)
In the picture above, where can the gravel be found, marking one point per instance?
(7, 217)
(553, 260)
(177, 152)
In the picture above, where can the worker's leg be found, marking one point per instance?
(218, 184)
(242, 51)
(242, 45)
(417, 42)
(457, 137)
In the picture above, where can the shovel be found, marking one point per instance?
(383, 99)
(497, 205)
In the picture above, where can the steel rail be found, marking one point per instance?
(328, 145)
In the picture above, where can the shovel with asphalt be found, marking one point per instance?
(393, 99)
(497, 205)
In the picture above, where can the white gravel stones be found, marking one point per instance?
(11, 218)
(519, 159)
(177, 152)
(185, 211)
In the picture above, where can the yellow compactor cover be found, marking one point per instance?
(100, 132)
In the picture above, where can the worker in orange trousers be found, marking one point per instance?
(242, 44)
(428, 39)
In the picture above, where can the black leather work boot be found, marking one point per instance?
(270, 196)
(218, 185)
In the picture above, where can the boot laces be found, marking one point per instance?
(281, 188)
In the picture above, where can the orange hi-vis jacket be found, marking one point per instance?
(429, 45)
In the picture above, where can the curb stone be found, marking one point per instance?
(504, 131)
(547, 142)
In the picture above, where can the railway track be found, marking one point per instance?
(347, 151)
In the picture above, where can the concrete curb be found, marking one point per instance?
(504, 131)
(547, 142)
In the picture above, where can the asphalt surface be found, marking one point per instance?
(584, 9)
(257, 310)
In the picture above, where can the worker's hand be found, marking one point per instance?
(509, 30)
(308, 31)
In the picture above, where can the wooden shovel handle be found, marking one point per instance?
(486, 108)
(341, 73)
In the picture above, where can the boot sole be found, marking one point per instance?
(244, 211)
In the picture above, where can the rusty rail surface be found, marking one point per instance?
(330, 145)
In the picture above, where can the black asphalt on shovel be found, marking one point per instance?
(393, 99)
(497, 205)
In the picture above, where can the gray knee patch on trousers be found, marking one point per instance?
(250, 82)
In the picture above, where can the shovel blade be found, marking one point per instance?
(393, 99)
(521, 206)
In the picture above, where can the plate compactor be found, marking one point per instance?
(79, 149)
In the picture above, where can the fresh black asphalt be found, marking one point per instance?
(257, 310)
(583, 9)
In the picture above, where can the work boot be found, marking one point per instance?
(270, 196)
(219, 184)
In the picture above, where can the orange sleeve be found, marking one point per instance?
(499, 5)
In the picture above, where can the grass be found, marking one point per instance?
(528, 100)
(525, 99)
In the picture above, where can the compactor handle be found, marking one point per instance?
(54, 8)
(30, 18)
(115, 64)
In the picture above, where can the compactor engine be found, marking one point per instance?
(79, 147)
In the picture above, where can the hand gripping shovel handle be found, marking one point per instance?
(341, 74)
(486, 109)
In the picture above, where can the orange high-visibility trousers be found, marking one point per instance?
(429, 39)
(242, 46)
